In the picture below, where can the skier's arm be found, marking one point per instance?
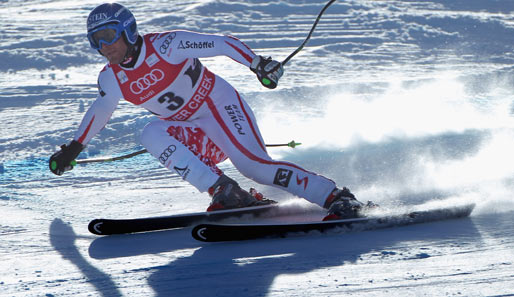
(96, 118)
(180, 45)
(93, 121)
(185, 44)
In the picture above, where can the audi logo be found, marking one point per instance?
(167, 153)
(166, 44)
(137, 87)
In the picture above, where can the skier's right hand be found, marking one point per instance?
(64, 159)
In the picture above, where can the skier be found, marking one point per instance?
(202, 119)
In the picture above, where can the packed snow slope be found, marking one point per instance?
(405, 102)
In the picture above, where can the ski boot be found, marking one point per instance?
(341, 204)
(226, 194)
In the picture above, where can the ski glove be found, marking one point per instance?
(268, 71)
(64, 160)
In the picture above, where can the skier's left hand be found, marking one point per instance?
(268, 71)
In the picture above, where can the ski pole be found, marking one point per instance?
(310, 33)
(291, 144)
(110, 159)
(266, 81)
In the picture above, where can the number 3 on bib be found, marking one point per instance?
(174, 102)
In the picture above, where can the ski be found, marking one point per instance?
(122, 226)
(233, 232)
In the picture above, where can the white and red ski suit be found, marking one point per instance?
(202, 121)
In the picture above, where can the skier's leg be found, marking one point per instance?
(234, 129)
(184, 149)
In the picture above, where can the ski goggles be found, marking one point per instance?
(104, 35)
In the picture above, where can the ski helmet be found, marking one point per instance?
(114, 17)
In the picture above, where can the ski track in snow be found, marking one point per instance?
(406, 102)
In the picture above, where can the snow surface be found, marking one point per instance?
(405, 102)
